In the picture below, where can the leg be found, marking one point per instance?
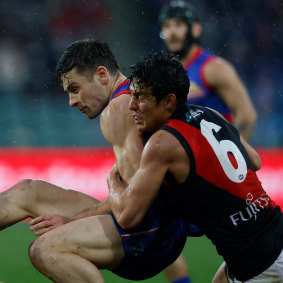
(31, 198)
(74, 252)
(178, 271)
(220, 276)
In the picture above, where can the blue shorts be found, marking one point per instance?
(151, 246)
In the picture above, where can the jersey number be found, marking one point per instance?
(221, 150)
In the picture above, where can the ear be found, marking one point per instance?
(170, 102)
(196, 29)
(102, 75)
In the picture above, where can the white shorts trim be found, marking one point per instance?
(273, 274)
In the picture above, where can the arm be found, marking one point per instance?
(253, 155)
(101, 208)
(223, 77)
(130, 204)
(49, 222)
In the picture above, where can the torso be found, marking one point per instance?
(201, 93)
(118, 128)
(222, 194)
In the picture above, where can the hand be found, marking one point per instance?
(114, 179)
(48, 223)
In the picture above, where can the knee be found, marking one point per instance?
(39, 254)
(35, 253)
(27, 188)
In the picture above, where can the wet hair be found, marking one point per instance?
(86, 56)
(163, 74)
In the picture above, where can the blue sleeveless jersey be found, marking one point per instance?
(200, 92)
(122, 88)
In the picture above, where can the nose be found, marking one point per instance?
(133, 105)
(73, 100)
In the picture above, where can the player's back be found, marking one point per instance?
(222, 194)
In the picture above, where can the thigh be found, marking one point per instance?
(221, 276)
(47, 198)
(94, 238)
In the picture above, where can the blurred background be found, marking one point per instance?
(33, 35)
(42, 137)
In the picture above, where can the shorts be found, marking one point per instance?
(150, 247)
(273, 274)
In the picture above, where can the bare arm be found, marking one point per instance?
(253, 155)
(101, 208)
(130, 203)
(223, 77)
(49, 222)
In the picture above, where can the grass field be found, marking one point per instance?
(15, 267)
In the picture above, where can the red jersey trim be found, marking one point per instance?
(197, 53)
(203, 78)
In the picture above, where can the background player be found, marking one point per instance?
(210, 168)
(214, 81)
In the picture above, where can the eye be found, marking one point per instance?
(141, 98)
(74, 90)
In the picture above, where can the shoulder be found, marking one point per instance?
(162, 145)
(116, 116)
(218, 70)
(116, 108)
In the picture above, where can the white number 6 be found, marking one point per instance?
(221, 150)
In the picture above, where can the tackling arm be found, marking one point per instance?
(130, 203)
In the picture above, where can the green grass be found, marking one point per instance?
(15, 266)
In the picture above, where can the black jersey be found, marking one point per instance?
(222, 194)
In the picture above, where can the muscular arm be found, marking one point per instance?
(162, 153)
(223, 77)
(101, 208)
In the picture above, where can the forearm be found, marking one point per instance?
(116, 201)
(244, 125)
(101, 208)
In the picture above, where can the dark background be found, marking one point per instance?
(33, 34)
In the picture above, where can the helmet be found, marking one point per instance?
(184, 11)
(178, 9)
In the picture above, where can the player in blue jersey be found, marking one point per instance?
(78, 234)
(210, 169)
(214, 81)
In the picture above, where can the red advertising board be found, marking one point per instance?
(86, 169)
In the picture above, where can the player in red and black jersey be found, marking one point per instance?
(210, 169)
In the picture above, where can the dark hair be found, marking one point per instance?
(163, 74)
(86, 56)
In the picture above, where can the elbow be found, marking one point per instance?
(252, 118)
(127, 221)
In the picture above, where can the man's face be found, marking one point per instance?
(85, 92)
(149, 115)
(174, 33)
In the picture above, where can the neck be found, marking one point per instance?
(114, 83)
(190, 53)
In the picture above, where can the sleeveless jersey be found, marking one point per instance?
(122, 89)
(200, 91)
(222, 194)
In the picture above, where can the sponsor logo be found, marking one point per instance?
(254, 206)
